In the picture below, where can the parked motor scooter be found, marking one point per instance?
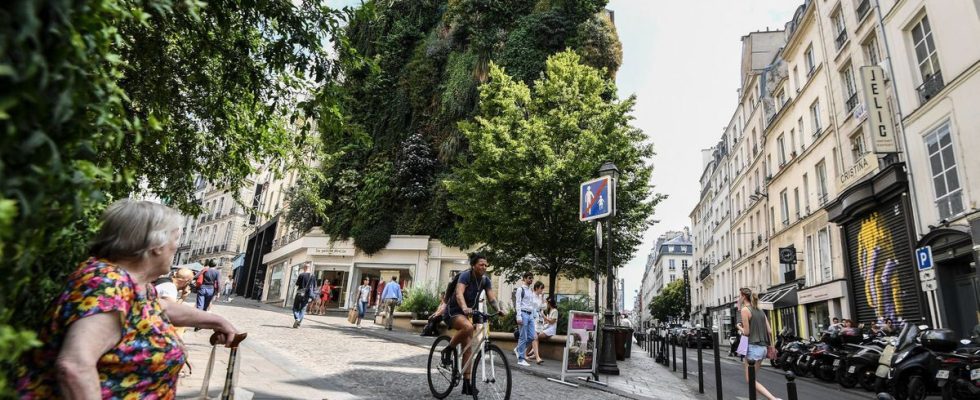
(959, 372)
(859, 366)
(784, 337)
(912, 375)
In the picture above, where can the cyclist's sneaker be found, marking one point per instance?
(523, 363)
(466, 386)
(472, 389)
(447, 357)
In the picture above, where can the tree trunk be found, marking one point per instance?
(552, 282)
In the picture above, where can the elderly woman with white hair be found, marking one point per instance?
(108, 335)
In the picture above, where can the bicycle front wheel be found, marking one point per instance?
(491, 375)
(442, 371)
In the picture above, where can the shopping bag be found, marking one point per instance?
(352, 315)
(743, 345)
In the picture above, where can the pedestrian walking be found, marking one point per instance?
(755, 325)
(227, 289)
(391, 297)
(525, 318)
(305, 290)
(363, 297)
(107, 334)
(547, 327)
(207, 286)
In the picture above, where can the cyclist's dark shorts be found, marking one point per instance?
(451, 313)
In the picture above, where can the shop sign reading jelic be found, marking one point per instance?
(882, 127)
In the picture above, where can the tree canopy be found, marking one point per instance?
(531, 147)
(397, 137)
(669, 304)
(99, 99)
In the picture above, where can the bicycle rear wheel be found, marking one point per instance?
(491, 374)
(442, 378)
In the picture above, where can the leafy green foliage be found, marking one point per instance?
(507, 323)
(579, 303)
(531, 148)
(422, 299)
(429, 57)
(101, 98)
(669, 303)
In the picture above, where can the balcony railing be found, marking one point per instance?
(852, 102)
(931, 85)
(841, 39)
(704, 272)
(863, 9)
(789, 276)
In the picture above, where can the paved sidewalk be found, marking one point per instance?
(267, 373)
(263, 373)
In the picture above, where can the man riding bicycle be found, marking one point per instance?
(460, 305)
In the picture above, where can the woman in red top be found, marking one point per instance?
(325, 296)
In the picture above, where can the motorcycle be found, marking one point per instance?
(911, 374)
(783, 339)
(959, 373)
(859, 366)
(803, 361)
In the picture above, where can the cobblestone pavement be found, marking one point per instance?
(327, 358)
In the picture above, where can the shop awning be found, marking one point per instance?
(779, 298)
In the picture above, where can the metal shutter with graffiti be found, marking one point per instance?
(882, 269)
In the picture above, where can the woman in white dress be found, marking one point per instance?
(538, 303)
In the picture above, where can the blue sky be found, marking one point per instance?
(681, 60)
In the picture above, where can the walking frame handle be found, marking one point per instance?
(219, 338)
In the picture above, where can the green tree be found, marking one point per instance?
(669, 303)
(530, 149)
(398, 137)
(99, 98)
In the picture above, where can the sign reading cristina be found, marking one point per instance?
(879, 116)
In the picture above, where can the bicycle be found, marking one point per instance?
(488, 361)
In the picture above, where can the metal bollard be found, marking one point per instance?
(673, 345)
(719, 394)
(684, 357)
(700, 369)
(791, 385)
(752, 379)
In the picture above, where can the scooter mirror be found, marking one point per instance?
(923, 327)
(965, 341)
(884, 396)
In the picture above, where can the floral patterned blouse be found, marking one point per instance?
(146, 362)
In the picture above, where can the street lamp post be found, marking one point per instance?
(607, 358)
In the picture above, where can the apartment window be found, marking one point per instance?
(806, 194)
(925, 49)
(928, 60)
(781, 150)
(811, 263)
(840, 28)
(822, 182)
(949, 194)
(857, 146)
(796, 78)
(781, 97)
(670, 249)
(850, 89)
(683, 263)
(815, 116)
(808, 59)
(871, 50)
(863, 7)
(792, 143)
(796, 201)
(826, 269)
(672, 265)
(228, 231)
(772, 220)
(673, 277)
(784, 206)
(799, 124)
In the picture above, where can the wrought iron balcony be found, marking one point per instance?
(705, 272)
(841, 39)
(852, 102)
(931, 85)
(789, 276)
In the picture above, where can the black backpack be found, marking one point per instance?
(451, 289)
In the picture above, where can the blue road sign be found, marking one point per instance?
(923, 256)
(597, 199)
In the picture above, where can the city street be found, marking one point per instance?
(734, 386)
(328, 358)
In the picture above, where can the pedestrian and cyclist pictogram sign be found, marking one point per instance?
(597, 199)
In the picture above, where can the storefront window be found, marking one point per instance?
(819, 318)
(275, 282)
